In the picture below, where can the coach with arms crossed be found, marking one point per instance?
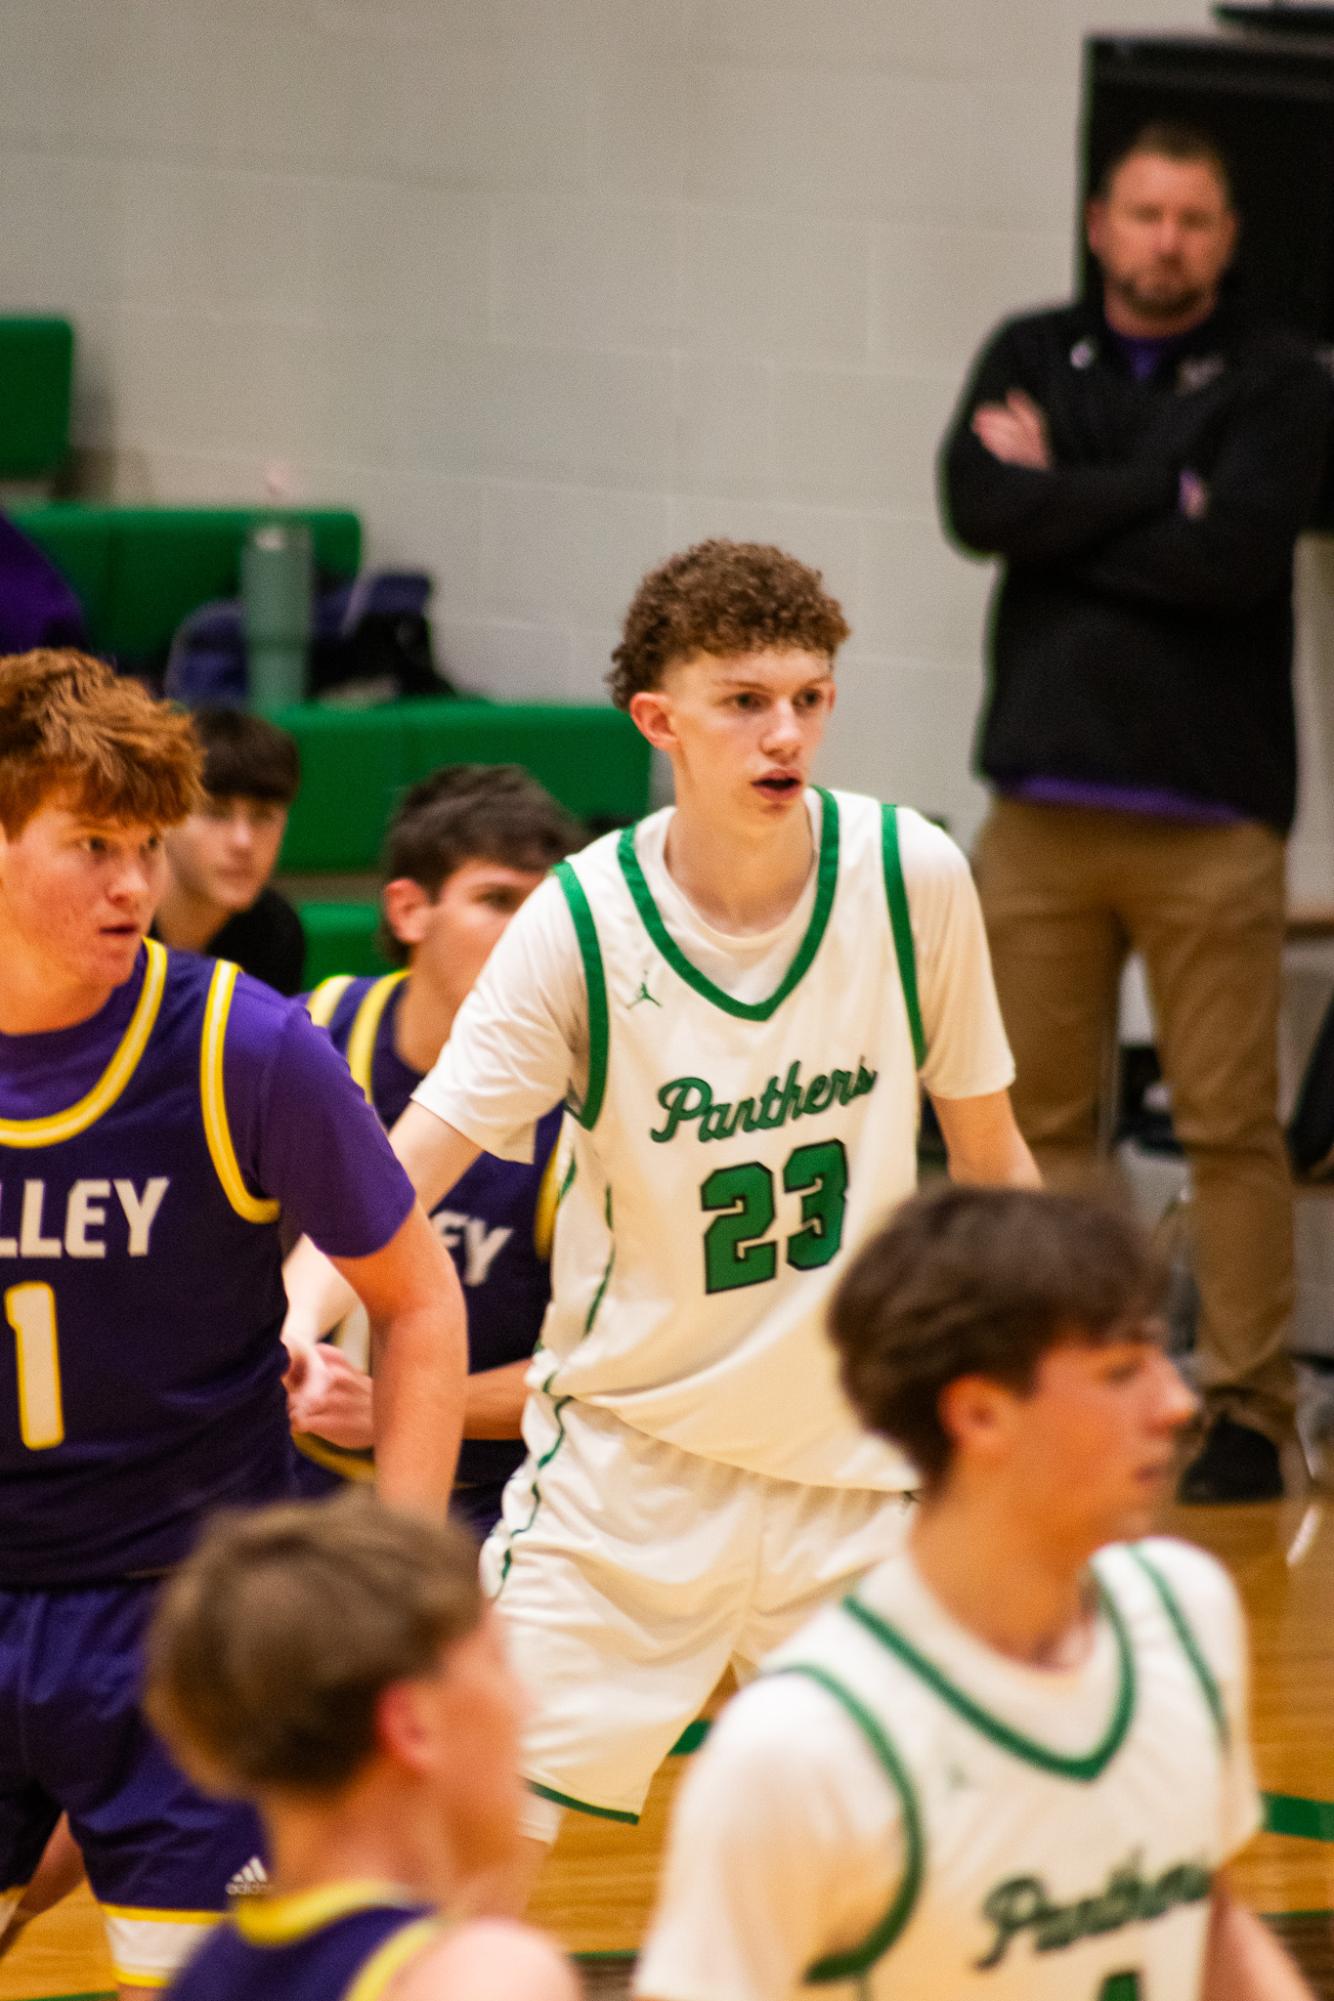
(1143, 461)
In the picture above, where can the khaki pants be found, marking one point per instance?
(1067, 892)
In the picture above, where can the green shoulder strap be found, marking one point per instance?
(595, 982)
(896, 894)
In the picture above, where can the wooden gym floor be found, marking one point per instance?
(597, 1887)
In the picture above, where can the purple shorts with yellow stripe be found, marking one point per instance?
(160, 1854)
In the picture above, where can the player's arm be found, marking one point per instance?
(305, 1137)
(337, 1401)
(968, 1067)
(318, 1295)
(983, 1142)
(414, 1303)
(490, 1957)
(1243, 1961)
(495, 1401)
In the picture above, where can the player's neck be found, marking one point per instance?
(1027, 1599)
(368, 1837)
(422, 1023)
(739, 879)
(185, 921)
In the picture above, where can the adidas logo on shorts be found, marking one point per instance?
(252, 1881)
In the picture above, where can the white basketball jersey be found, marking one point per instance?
(1030, 1872)
(728, 1157)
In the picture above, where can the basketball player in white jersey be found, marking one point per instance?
(1014, 1761)
(739, 999)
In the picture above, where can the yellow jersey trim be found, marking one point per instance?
(139, 1976)
(397, 1952)
(349, 1465)
(59, 1126)
(322, 1001)
(136, 1913)
(282, 1920)
(254, 1208)
(361, 1040)
(549, 1192)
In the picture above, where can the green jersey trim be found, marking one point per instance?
(900, 921)
(825, 885)
(595, 982)
(557, 1408)
(582, 1806)
(1190, 1646)
(605, 1280)
(1083, 1769)
(847, 1965)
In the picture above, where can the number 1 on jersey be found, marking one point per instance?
(31, 1312)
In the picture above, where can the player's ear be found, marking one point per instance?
(1095, 213)
(974, 1411)
(405, 1726)
(407, 909)
(651, 714)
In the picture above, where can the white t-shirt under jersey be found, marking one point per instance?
(788, 1839)
(746, 1112)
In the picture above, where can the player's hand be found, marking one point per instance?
(1192, 495)
(305, 1375)
(1014, 431)
(332, 1398)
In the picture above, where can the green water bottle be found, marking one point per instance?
(276, 579)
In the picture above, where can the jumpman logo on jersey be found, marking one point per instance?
(644, 995)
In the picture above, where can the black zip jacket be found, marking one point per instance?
(1129, 644)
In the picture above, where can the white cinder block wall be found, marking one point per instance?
(547, 288)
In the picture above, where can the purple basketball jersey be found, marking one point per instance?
(140, 1270)
(273, 1951)
(488, 1221)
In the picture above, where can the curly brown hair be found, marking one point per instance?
(70, 725)
(723, 598)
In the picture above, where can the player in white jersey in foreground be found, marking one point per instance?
(739, 999)
(1014, 1761)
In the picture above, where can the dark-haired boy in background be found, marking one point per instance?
(217, 897)
(466, 848)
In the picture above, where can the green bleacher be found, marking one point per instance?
(138, 571)
(37, 369)
(356, 764)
